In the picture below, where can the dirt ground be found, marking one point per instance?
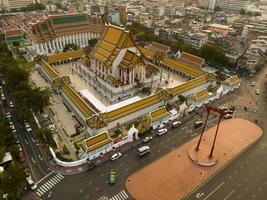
(175, 175)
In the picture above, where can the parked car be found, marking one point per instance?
(112, 177)
(147, 139)
(162, 131)
(11, 105)
(143, 150)
(31, 183)
(228, 116)
(8, 115)
(176, 124)
(198, 124)
(257, 91)
(229, 112)
(115, 156)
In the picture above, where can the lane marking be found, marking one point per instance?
(229, 195)
(214, 191)
(44, 177)
(200, 194)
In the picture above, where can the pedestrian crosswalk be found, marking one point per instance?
(120, 196)
(45, 187)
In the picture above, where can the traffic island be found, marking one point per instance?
(174, 176)
(201, 156)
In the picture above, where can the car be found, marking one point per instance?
(228, 116)
(147, 139)
(112, 177)
(198, 124)
(28, 127)
(31, 183)
(11, 105)
(229, 112)
(257, 91)
(8, 115)
(253, 84)
(143, 150)
(3, 82)
(20, 148)
(176, 124)
(12, 126)
(115, 156)
(162, 131)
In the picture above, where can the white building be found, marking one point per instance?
(196, 40)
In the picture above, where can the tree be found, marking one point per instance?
(256, 14)
(11, 181)
(92, 42)
(242, 12)
(15, 43)
(182, 98)
(45, 135)
(217, 9)
(70, 47)
(15, 75)
(2, 152)
(249, 13)
(214, 55)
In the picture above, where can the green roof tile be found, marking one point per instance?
(69, 19)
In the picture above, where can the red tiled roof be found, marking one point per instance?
(157, 47)
(192, 60)
(13, 32)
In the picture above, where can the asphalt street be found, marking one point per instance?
(36, 163)
(93, 184)
(246, 177)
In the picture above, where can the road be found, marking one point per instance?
(93, 184)
(246, 177)
(234, 181)
(35, 160)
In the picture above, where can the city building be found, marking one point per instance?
(13, 4)
(52, 34)
(191, 60)
(13, 35)
(123, 14)
(219, 29)
(196, 40)
(226, 5)
(209, 4)
(160, 49)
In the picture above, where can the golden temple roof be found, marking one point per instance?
(129, 60)
(159, 114)
(201, 95)
(111, 42)
(95, 142)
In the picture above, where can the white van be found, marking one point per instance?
(143, 150)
